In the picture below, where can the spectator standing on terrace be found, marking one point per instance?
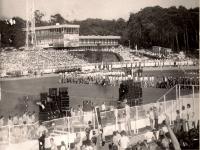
(151, 118)
(124, 141)
(189, 116)
(127, 117)
(103, 107)
(184, 118)
(177, 126)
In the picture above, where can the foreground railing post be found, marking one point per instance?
(172, 110)
(177, 107)
(136, 119)
(9, 135)
(179, 99)
(93, 116)
(164, 103)
(193, 97)
(68, 126)
(116, 119)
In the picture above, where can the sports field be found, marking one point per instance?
(13, 92)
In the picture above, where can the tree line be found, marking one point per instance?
(175, 28)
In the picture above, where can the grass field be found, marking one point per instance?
(13, 93)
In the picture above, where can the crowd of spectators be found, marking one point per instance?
(163, 138)
(21, 127)
(26, 118)
(25, 62)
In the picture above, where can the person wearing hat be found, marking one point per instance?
(127, 116)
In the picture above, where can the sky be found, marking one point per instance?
(82, 9)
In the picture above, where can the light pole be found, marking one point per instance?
(129, 44)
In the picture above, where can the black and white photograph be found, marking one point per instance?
(99, 75)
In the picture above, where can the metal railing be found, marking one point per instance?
(112, 120)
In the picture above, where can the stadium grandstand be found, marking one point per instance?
(67, 36)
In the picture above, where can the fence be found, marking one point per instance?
(18, 133)
(174, 99)
(112, 120)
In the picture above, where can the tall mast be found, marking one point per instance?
(30, 24)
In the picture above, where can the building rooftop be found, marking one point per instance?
(55, 27)
(99, 37)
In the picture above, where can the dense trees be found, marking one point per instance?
(11, 34)
(172, 27)
(176, 28)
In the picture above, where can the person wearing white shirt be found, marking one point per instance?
(127, 116)
(190, 116)
(184, 118)
(103, 107)
(124, 141)
(151, 118)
